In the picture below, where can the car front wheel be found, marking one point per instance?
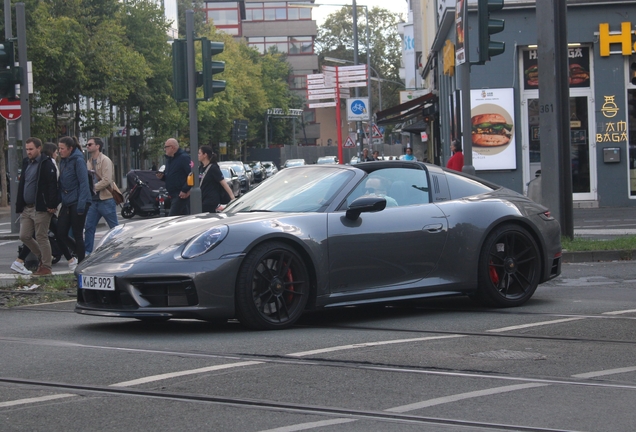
(509, 267)
(272, 288)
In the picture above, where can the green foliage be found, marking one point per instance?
(579, 244)
(335, 39)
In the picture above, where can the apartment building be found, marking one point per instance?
(287, 27)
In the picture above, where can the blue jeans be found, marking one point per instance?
(98, 209)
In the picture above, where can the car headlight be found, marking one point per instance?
(112, 235)
(205, 242)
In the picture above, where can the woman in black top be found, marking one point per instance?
(211, 180)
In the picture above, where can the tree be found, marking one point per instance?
(335, 39)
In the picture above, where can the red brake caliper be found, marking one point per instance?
(494, 277)
(290, 278)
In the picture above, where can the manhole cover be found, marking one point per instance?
(510, 355)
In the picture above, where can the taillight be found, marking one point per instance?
(546, 215)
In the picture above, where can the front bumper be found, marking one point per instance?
(148, 291)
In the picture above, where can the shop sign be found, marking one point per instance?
(622, 37)
(449, 58)
(493, 133)
(578, 62)
(460, 54)
(612, 131)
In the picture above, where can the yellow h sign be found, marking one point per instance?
(624, 38)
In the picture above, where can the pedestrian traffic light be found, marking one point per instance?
(9, 73)
(212, 67)
(179, 70)
(488, 26)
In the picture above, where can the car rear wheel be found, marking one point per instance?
(509, 267)
(272, 288)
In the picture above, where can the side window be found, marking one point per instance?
(400, 186)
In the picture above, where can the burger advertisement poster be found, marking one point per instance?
(579, 68)
(492, 121)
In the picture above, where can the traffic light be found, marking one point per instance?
(488, 26)
(9, 73)
(211, 67)
(632, 73)
(179, 70)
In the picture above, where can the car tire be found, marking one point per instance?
(272, 287)
(509, 267)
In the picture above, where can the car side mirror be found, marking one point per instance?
(365, 205)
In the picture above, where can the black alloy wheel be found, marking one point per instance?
(272, 287)
(509, 267)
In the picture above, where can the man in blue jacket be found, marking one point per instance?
(37, 202)
(178, 167)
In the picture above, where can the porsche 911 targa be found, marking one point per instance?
(320, 236)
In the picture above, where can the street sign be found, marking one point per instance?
(376, 132)
(349, 143)
(10, 110)
(351, 68)
(322, 105)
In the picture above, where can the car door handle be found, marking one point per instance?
(433, 228)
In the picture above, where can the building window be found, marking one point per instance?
(292, 45)
(224, 16)
(275, 11)
(298, 82)
(309, 116)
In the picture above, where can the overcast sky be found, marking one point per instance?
(320, 13)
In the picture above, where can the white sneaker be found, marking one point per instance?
(72, 263)
(20, 268)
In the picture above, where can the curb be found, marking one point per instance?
(597, 256)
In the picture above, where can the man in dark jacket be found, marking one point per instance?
(37, 202)
(178, 167)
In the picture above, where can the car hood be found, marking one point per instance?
(162, 239)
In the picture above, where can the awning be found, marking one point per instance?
(405, 111)
(416, 127)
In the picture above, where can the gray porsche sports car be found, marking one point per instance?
(321, 236)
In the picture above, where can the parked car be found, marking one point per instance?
(232, 180)
(294, 162)
(249, 172)
(354, 160)
(239, 169)
(270, 168)
(259, 171)
(327, 160)
(320, 236)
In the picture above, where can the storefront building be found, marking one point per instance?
(602, 79)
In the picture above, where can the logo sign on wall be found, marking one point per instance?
(492, 120)
(358, 109)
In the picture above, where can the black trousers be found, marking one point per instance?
(67, 219)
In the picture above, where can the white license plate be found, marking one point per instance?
(104, 283)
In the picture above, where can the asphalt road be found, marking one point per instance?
(564, 361)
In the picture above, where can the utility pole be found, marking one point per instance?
(11, 132)
(196, 205)
(554, 112)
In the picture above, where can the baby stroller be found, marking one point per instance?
(144, 194)
(31, 262)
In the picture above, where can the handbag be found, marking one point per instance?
(117, 196)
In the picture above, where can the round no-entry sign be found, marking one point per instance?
(10, 110)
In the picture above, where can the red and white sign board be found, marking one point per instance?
(10, 110)
(376, 132)
(349, 143)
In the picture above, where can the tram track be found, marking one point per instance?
(384, 416)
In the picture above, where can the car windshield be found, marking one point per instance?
(226, 173)
(326, 160)
(238, 168)
(304, 189)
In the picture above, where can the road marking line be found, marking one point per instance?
(605, 372)
(619, 312)
(542, 323)
(8, 242)
(182, 373)
(369, 344)
(462, 396)
(35, 400)
(311, 425)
